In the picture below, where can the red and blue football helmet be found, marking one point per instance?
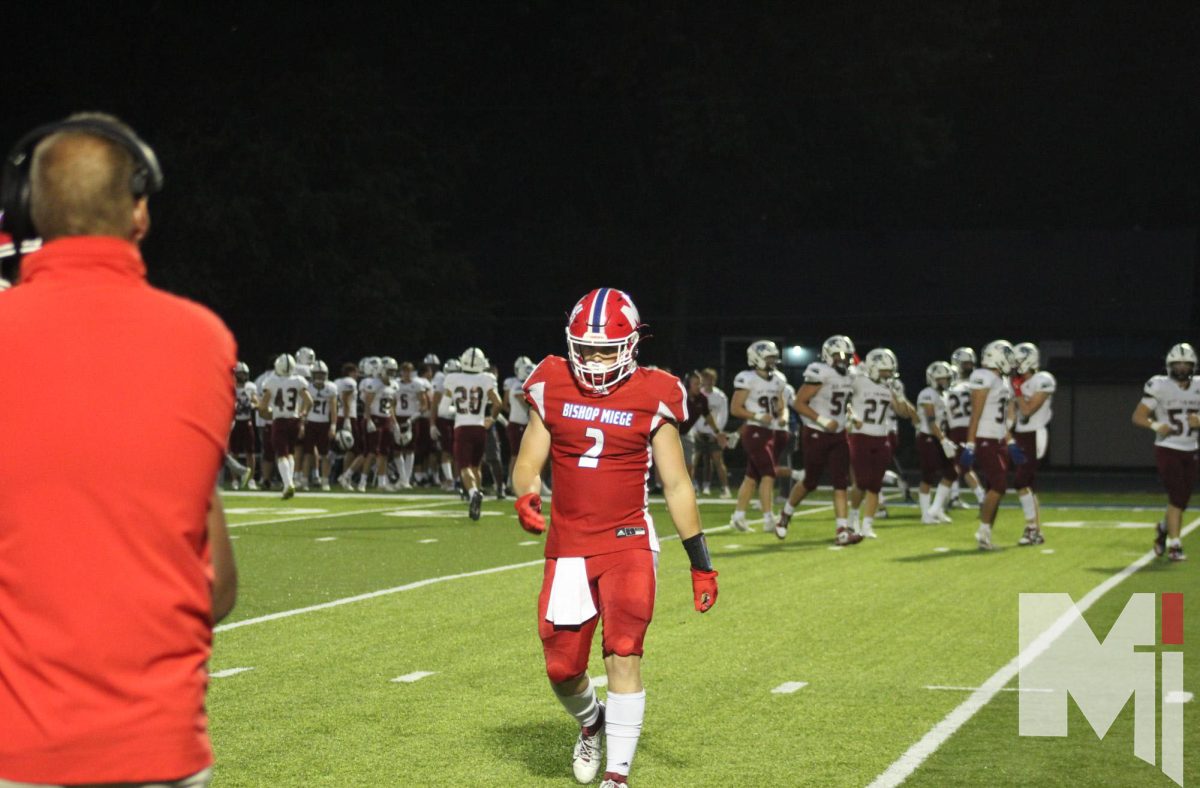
(605, 320)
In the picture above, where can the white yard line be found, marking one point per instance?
(352, 513)
(912, 758)
(788, 687)
(409, 678)
(221, 674)
(976, 689)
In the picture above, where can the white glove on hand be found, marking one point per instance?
(949, 447)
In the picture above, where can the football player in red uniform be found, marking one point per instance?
(600, 419)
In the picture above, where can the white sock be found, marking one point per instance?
(285, 471)
(1173, 543)
(854, 519)
(1029, 505)
(923, 499)
(447, 472)
(980, 493)
(739, 514)
(623, 715)
(939, 498)
(406, 467)
(583, 707)
(868, 523)
(788, 509)
(840, 522)
(798, 476)
(954, 488)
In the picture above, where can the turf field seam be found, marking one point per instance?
(406, 587)
(914, 756)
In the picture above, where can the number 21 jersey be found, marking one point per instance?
(600, 450)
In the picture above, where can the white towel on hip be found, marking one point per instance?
(570, 596)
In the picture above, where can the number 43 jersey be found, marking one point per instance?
(601, 455)
(1171, 405)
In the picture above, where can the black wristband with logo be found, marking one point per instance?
(697, 550)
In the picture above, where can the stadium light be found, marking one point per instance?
(796, 355)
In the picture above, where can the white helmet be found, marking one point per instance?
(285, 365)
(473, 360)
(344, 440)
(960, 356)
(523, 367)
(306, 356)
(320, 368)
(1028, 357)
(1183, 353)
(241, 368)
(763, 355)
(388, 367)
(431, 358)
(837, 352)
(371, 365)
(998, 355)
(936, 371)
(452, 365)
(877, 362)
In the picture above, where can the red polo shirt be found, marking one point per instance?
(114, 412)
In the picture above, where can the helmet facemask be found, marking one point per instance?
(596, 375)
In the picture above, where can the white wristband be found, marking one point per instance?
(1154, 425)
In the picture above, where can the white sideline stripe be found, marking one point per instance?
(353, 512)
(406, 587)
(976, 689)
(788, 687)
(915, 755)
(220, 674)
(409, 678)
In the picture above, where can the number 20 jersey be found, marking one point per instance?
(1171, 405)
(600, 450)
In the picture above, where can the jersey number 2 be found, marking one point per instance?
(591, 457)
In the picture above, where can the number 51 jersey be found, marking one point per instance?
(601, 455)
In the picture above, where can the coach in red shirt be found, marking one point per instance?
(114, 558)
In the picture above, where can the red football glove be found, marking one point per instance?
(529, 512)
(704, 588)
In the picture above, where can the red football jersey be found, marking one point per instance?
(600, 449)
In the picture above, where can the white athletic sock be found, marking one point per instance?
(623, 715)
(406, 468)
(939, 498)
(447, 472)
(583, 707)
(788, 509)
(285, 471)
(980, 493)
(923, 499)
(739, 514)
(1029, 505)
(840, 522)
(1174, 542)
(854, 519)
(868, 523)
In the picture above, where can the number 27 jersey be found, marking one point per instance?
(600, 450)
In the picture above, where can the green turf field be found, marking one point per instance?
(867, 629)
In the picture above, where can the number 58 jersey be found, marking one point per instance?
(601, 455)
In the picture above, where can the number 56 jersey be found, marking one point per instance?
(601, 455)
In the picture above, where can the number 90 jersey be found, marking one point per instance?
(1171, 405)
(831, 399)
(600, 450)
(762, 394)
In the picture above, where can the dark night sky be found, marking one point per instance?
(408, 177)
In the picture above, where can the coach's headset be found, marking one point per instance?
(147, 176)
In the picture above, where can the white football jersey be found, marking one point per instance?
(995, 408)
(763, 393)
(244, 407)
(1042, 382)
(284, 395)
(789, 396)
(384, 402)
(718, 406)
(1171, 405)
(349, 385)
(445, 408)
(958, 405)
(469, 391)
(408, 396)
(259, 420)
(323, 397)
(831, 399)
(518, 408)
(872, 402)
(893, 422)
(931, 396)
(427, 384)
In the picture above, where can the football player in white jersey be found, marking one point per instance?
(285, 396)
(710, 455)
(1034, 389)
(441, 423)
(935, 450)
(821, 403)
(781, 436)
(476, 403)
(988, 435)
(322, 423)
(242, 435)
(305, 358)
(349, 435)
(262, 428)
(517, 407)
(958, 416)
(412, 398)
(874, 395)
(1170, 408)
(758, 399)
(369, 385)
